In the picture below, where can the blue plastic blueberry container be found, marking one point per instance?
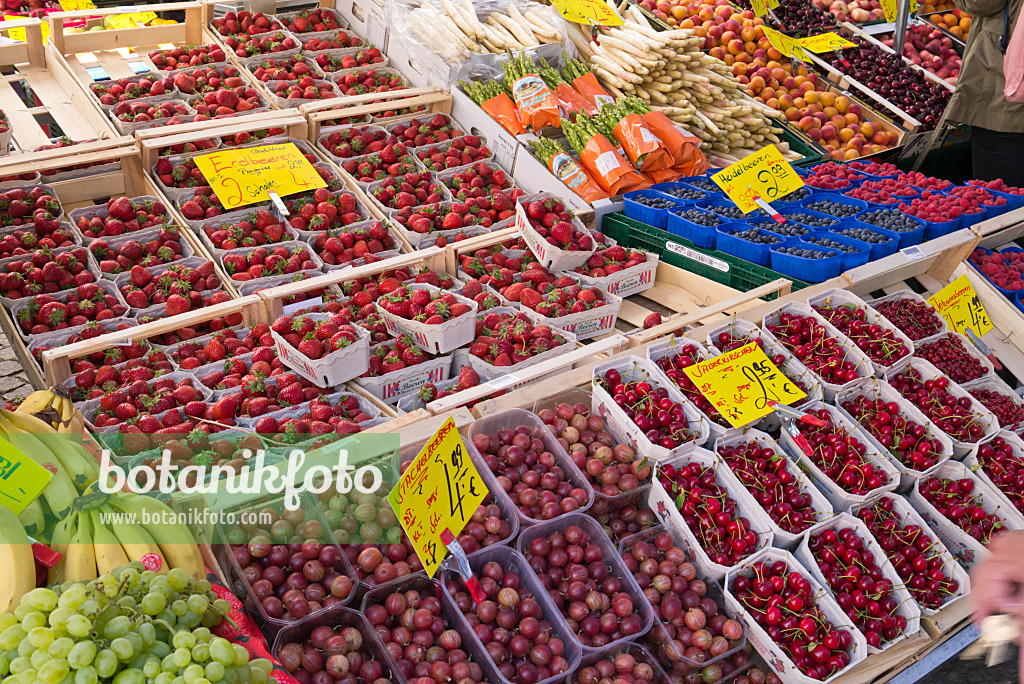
(745, 249)
(794, 198)
(802, 268)
(702, 183)
(788, 213)
(877, 249)
(702, 236)
(663, 189)
(641, 212)
(860, 205)
(908, 238)
(713, 205)
(850, 259)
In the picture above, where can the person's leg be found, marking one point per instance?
(998, 155)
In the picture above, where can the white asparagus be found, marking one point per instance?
(541, 27)
(513, 27)
(505, 35)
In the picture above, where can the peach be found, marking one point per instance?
(814, 133)
(820, 118)
(801, 104)
(846, 135)
(828, 131)
(830, 111)
(827, 99)
(812, 97)
(855, 109)
(792, 113)
(806, 87)
(714, 31)
(856, 144)
(838, 121)
(757, 84)
(749, 35)
(808, 122)
(786, 100)
(729, 59)
(724, 11)
(838, 155)
(852, 154)
(743, 57)
(678, 12)
(772, 102)
(706, 13)
(717, 53)
(868, 129)
(842, 104)
(851, 119)
(788, 82)
(780, 76)
(733, 25)
(880, 138)
(749, 48)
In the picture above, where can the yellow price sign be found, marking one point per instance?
(761, 7)
(743, 384)
(21, 478)
(592, 12)
(890, 7)
(19, 34)
(958, 303)
(133, 20)
(75, 5)
(787, 45)
(440, 491)
(825, 42)
(763, 174)
(244, 176)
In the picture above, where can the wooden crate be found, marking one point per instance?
(129, 179)
(116, 51)
(320, 114)
(60, 105)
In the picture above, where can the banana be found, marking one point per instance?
(40, 400)
(60, 493)
(59, 541)
(80, 561)
(24, 422)
(17, 566)
(71, 455)
(177, 544)
(33, 520)
(135, 541)
(109, 554)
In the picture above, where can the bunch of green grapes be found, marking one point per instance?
(131, 626)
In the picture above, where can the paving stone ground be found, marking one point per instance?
(13, 381)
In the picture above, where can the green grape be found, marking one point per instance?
(41, 599)
(259, 677)
(89, 607)
(215, 671)
(192, 673)
(167, 616)
(33, 620)
(163, 678)
(189, 620)
(7, 620)
(230, 676)
(222, 651)
(87, 675)
(117, 627)
(41, 637)
(178, 680)
(182, 657)
(123, 649)
(203, 586)
(106, 663)
(61, 647)
(12, 636)
(210, 619)
(26, 649)
(39, 658)
(82, 654)
(138, 645)
(73, 597)
(131, 676)
(222, 606)
(202, 634)
(153, 602)
(151, 669)
(179, 608)
(109, 589)
(127, 603)
(19, 665)
(147, 632)
(241, 655)
(53, 672)
(59, 617)
(131, 575)
(28, 676)
(160, 649)
(184, 640)
(201, 653)
(262, 664)
(78, 626)
(23, 609)
(5, 665)
(198, 604)
(179, 579)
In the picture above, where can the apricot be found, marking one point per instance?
(743, 57)
(806, 87)
(717, 53)
(846, 135)
(678, 12)
(749, 35)
(830, 111)
(800, 104)
(827, 99)
(749, 48)
(757, 84)
(868, 129)
(842, 104)
(792, 113)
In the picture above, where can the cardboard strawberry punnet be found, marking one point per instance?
(556, 237)
(186, 57)
(438, 321)
(356, 141)
(508, 341)
(564, 303)
(322, 348)
(399, 368)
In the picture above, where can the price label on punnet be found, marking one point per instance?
(762, 175)
(958, 303)
(438, 493)
(743, 384)
(244, 176)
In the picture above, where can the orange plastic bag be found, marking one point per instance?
(571, 101)
(663, 175)
(535, 103)
(685, 149)
(569, 172)
(503, 110)
(643, 147)
(606, 166)
(592, 91)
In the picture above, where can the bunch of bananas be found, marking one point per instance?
(105, 532)
(56, 402)
(73, 468)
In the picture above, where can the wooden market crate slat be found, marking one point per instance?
(321, 113)
(116, 49)
(40, 73)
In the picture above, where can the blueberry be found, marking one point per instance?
(757, 237)
(832, 244)
(800, 193)
(890, 219)
(704, 184)
(833, 208)
(807, 219)
(729, 212)
(654, 202)
(807, 253)
(700, 217)
(684, 193)
(864, 235)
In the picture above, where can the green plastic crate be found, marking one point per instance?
(678, 251)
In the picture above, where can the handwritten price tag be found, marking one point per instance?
(134, 20)
(761, 7)
(825, 42)
(19, 34)
(244, 176)
(958, 303)
(890, 8)
(743, 383)
(787, 45)
(21, 478)
(440, 490)
(764, 174)
(592, 12)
